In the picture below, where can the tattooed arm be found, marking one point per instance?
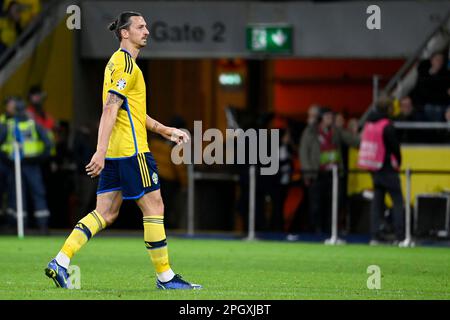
(172, 134)
(107, 121)
(156, 127)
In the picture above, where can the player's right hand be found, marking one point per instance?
(178, 136)
(95, 167)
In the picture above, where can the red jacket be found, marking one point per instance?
(44, 120)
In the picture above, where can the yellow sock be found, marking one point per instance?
(85, 229)
(155, 241)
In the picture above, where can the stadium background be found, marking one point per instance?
(333, 62)
(200, 65)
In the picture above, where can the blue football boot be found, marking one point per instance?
(58, 274)
(177, 283)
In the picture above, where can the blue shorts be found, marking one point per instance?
(134, 176)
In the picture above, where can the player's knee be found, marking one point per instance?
(159, 207)
(109, 216)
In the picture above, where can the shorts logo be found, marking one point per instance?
(121, 84)
(155, 178)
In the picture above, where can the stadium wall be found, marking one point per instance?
(202, 29)
(51, 66)
(346, 85)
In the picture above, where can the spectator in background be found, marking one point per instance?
(10, 106)
(279, 189)
(446, 135)
(320, 150)
(10, 26)
(35, 147)
(380, 154)
(407, 110)
(339, 120)
(409, 113)
(350, 128)
(432, 91)
(28, 9)
(36, 99)
(313, 115)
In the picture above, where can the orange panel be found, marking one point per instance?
(330, 68)
(296, 99)
(344, 85)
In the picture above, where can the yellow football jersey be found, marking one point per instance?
(124, 78)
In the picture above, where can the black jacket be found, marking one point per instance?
(431, 88)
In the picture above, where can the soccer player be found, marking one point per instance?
(123, 160)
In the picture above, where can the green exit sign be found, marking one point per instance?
(269, 38)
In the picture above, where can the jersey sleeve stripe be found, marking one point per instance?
(126, 62)
(130, 64)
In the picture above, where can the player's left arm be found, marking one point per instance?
(170, 133)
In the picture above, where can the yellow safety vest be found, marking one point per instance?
(31, 145)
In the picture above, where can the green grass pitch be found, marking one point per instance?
(119, 268)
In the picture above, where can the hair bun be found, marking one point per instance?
(112, 26)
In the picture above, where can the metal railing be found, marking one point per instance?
(421, 125)
(334, 237)
(408, 172)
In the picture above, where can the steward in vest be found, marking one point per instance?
(34, 148)
(380, 154)
(36, 111)
(320, 149)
